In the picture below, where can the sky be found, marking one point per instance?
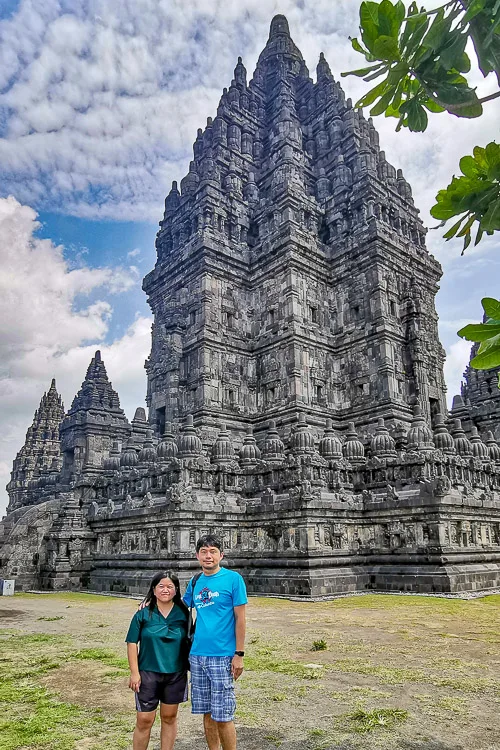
(99, 106)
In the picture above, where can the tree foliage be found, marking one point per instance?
(421, 57)
(474, 196)
(487, 334)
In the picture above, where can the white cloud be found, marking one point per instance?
(43, 334)
(102, 100)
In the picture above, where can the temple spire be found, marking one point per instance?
(96, 391)
(40, 448)
(279, 26)
(280, 43)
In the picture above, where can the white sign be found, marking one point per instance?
(7, 587)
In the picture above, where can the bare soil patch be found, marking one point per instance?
(412, 673)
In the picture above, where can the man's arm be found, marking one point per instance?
(239, 629)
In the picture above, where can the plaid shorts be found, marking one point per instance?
(212, 687)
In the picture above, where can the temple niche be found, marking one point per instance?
(295, 392)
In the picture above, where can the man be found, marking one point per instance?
(219, 597)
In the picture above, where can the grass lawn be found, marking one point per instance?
(364, 672)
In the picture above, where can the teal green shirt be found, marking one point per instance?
(160, 639)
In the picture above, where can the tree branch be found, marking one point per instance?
(490, 97)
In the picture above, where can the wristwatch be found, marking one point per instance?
(239, 653)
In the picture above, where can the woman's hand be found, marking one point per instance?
(134, 682)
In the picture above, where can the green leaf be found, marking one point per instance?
(387, 20)
(488, 354)
(413, 34)
(467, 241)
(368, 20)
(467, 227)
(473, 9)
(492, 153)
(433, 106)
(478, 236)
(370, 97)
(386, 48)
(362, 72)
(464, 63)
(378, 73)
(458, 99)
(417, 116)
(439, 27)
(479, 332)
(470, 167)
(494, 173)
(491, 220)
(451, 56)
(480, 156)
(457, 94)
(390, 18)
(454, 229)
(383, 102)
(486, 42)
(491, 307)
(357, 46)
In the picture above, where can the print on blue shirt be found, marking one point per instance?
(214, 599)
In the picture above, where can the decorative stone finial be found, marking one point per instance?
(479, 449)
(240, 74)
(323, 71)
(249, 452)
(302, 440)
(273, 447)
(442, 438)
(382, 444)
(279, 25)
(330, 446)
(462, 444)
(419, 434)
(493, 447)
(190, 444)
(147, 454)
(222, 449)
(167, 448)
(112, 462)
(128, 458)
(354, 450)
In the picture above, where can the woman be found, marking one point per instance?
(157, 669)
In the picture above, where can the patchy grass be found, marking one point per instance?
(51, 619)
(320, 645)
(379, 718)
(435, 660)
(103, 655)
(34, 717)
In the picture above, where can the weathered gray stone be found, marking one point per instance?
(294, 378)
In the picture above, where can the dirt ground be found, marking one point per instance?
(364, 672)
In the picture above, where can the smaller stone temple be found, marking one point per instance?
(296, 403)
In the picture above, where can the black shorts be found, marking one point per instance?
(158, 687)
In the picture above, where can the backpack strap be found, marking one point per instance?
(194, 581)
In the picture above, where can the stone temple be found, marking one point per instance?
(295, 390)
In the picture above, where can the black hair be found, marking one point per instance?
(150, 597)
(209, 540)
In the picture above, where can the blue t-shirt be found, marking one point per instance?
(214, 599)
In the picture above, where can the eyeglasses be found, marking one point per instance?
(165, 588)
